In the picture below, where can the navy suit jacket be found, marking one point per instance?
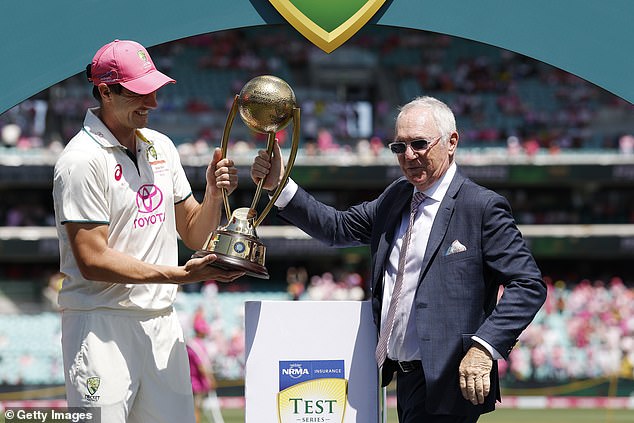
(457, 293)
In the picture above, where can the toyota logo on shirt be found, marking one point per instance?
(149, 198)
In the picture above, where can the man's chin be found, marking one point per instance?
(421, 183)
(141, 122)
(416, 177)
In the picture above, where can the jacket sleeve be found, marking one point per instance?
(336, 228)
(509, 262)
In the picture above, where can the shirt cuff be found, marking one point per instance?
(287, 194)
(496, 355)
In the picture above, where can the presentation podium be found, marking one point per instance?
(311, 362)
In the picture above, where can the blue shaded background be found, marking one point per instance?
(44, 42)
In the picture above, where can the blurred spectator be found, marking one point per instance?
(626, 144)
(51, 291)
(11, 134)
(325, 140)
(349, 286)
(201, 370)
(296, 278)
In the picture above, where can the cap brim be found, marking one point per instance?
(148, 83)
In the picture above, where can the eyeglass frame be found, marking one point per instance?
(428, 144)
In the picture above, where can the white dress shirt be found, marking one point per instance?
(403, 344)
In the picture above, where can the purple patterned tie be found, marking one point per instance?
(386, 328)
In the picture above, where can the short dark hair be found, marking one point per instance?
(116, 88)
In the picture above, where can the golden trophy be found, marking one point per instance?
(266, 105)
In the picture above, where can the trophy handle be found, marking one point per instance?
(223, 146)
(287, 172)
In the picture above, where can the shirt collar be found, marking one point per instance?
(438, 190)
(98, 131)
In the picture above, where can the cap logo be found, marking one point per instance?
(144, 59)
(109, 77)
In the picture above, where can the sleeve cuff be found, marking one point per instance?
(496, 355)
(287, 194)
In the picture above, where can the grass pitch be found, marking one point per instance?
(506, 415)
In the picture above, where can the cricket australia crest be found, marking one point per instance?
(92, 385)
(327, 23)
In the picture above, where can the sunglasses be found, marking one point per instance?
(399, 147)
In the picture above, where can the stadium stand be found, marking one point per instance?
(559, 148)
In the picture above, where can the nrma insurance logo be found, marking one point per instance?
(312, 391)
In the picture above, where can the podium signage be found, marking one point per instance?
(312, 391)
(310, 362)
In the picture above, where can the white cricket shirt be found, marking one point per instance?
(95, 181)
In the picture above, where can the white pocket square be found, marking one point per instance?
(455, 247)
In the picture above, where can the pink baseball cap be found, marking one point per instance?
(127, 63)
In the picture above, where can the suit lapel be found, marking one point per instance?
(400, 199)
(441, 221)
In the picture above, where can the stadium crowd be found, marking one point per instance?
(585, 330)
(532, 206)
(502, 100)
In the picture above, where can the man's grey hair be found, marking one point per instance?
(442, 114)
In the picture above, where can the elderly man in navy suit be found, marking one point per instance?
(441, 247)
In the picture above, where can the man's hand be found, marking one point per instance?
(221, 173)
(198, 269)
(270, 168)
(475, 374)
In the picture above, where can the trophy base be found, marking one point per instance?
(226, 262)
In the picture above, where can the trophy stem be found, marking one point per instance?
(224, 145)
(289, 166)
